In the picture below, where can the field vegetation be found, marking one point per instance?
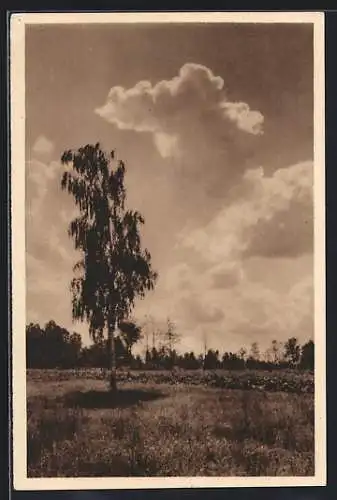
(177, 423)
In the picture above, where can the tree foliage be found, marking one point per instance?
(52, 346)
(130, 333)
(114, 269)
(292, 351)
(308, 355)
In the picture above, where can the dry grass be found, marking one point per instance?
(75, 429)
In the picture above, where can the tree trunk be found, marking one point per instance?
(112, 360)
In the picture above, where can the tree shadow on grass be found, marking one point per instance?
(104, 399)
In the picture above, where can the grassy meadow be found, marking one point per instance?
(170, 424)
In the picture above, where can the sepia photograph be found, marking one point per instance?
(168, 261)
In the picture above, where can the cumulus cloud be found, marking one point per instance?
(226, 275)
(284, 213)
(200, 310)
(234, 316)
(47, 282)
(269, 222)
(173, 109)
(43, 146)
(278, 315)
(41, 181)
(272, 216)
(49, 252)
(204, 138)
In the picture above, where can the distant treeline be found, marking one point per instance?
(55, 347)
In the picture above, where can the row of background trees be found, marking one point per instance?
(53, 346)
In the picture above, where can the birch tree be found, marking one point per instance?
(114, 269)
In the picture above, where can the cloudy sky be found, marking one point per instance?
(215, 124)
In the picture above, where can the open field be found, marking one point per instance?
(170, 424)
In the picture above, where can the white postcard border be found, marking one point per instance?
(17, 107)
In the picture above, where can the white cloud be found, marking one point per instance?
(209, 289)
(226, 274)
(246, 119)
(202, 311)
(246, 312)
(204, 137)
(172, 109)
(42, 179)
(43, 146)
(272, 216)
(166, 144)
(277, 314)
(49, 251)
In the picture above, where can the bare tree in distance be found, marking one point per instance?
(255, 351)
(114, 269)
(276, 351)
(170, 338)
(151, 332)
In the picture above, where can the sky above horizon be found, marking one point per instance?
(215, 125)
